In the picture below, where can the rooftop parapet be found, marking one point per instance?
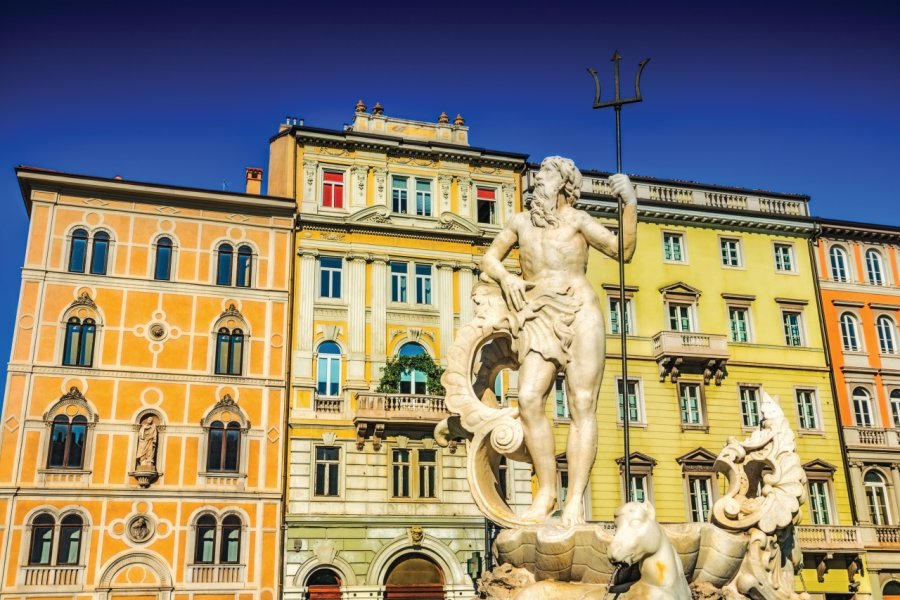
(444, 130)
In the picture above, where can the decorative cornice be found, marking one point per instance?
(879, 306)
(794, 301)
(739, 297)
(847, 303)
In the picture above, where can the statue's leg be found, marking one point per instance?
(535, 380)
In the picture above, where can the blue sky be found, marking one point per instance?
(796, 97)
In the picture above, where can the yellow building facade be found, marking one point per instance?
(141, 454)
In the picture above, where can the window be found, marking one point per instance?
(399, 194)
(43, 534)
(400, 472)
(399, 279)
(634, 406)
(67, 442)
(690, 403)
(332, 189)
(99, 253)
(562, 482)
(739, 323)
(731, 252)
(559, 396)
(423, 284)
(839, 270)
(328, 369)
(862, 407)
(486, 202)
(78, 346)
(208, 531)
(503, 477)
(42, 529)
(329, 277)
(680, 317)
(328, 461)
(423, 197)
(163, 269)
(427, 473)
(673, 247)
(784, 257)
(639, 488)
(78, 251)
(793, 334)
(849, 332)
(223, 264)
(887, 340)
(615, 318)
(876, 498)
(69, 549)
(874, 267)
(413, 381)
(700, 492)
(807, 409)
(895, 407)
(229, 351)
(819, 508)
(223, 451)
(414, 473)
(749, 406)
(244, 266)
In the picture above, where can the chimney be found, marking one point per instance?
(254, 180)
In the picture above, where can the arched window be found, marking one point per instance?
(223, 264)
(838, 264)
(895, 407)
(328, 369)
(223, 452)
(412, 381)
(887, 341)
(163, 268)
(78, 346)
(69, 549)
(862, 407)
(99, 253)
(42, 528)
(78, 251)
(244, 266)
(891, 588)
(323, 584)
(850, 332)
(229, 351)
(205, 545)
(230, 552)
(876, 498)
(67, 441)
(211, 534)
(874, 267)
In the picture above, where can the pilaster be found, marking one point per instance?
(445, 306)
(444, 192)
(380, 185)
(356, 317)
(466, 282)
(379, 312)
(859, 496)
(310, 174)
(306, 296)
(359, 175)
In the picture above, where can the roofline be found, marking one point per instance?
(834, 226)
(30, 177)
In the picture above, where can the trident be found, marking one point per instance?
(617, 103)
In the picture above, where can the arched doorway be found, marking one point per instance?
(323, 584)
(414, 577)
(891, 591)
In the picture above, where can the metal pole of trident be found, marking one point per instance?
(617, 103)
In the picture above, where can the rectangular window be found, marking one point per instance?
(673, 247)
(327, 469)
(700, 492)
(784, 257)
(806, 409)
(400, 472)
(503, 477)
(333, 189)
(559, 397)
(689, 401)
(329, 277)
(486, 201)
(731, 252)
(427, 473)
(615, 318)
(634, 407)
(423, 284)
(399, 278)
(680, 317)
(399, 194)
(793, 335)
(818, 503)
(423, 197)
(739, 323)
(749, 406)
(639, 488)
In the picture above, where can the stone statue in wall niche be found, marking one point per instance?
(148, 435)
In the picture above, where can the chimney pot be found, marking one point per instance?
(254, 180)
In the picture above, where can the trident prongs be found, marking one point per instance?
(618, 101)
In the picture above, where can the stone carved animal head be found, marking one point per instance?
(638, 535)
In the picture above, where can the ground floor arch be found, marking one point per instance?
(414, 576)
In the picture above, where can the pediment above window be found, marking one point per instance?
(80, 405)
(226, 409)
(679, 290)
(698, 459)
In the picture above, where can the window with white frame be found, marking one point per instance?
(690, 402)
(332, 189)
(887, 337)
(673, 247)
(749, 396)
(862, 407)
(330, 268)
(420, 189)
(700, 497)
(327, 471)
(486, 205)
(559, 397)
(399, 194)
(874, 267)
(423, 197)
(399, 279)
(681, 316)
(895, 407)
(807, 409)
(423, 284)
(819, 502)
(615, 317)
(739, 323)
(840, 270)
(414, 473)
(784, 258)
(211, 534)
(400, 471)
(877, 498)
(730, 251)
(56, 543)
(635, 409)
(639, 488)
(850, 332)
(328, 369)
(793, 330)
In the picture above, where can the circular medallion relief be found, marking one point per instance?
(139, 529)
(157, 331)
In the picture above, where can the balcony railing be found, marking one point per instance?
(61, 576)
(675, 351)
(217, 573)
(384, 410)
(872, 437)
(329, 404)
(827, 537)
(888, 536)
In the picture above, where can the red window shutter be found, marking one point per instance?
(334, 176)
(338, 195)
(486, 194)
(333, 189)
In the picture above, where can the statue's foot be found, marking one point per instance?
(540, 509)
(572, 515)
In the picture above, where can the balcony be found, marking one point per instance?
(678, 352)
(377, 412)
(216, 573)
(827, 538)
(329, 405)
(888, 536)
(872, 438)
(62, 576)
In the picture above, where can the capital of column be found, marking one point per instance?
(856, 464)
(379, 258)
(449, 266)
(467, 267)
(353, 256)
(307, 252)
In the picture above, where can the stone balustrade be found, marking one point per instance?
(216, 573)
(57, 576)
(828, 537)
(329, 404)
(400, 407)
(888, 536)
(872, 437)
(677, 351)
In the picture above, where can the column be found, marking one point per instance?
(859, 494)
(379, 314)
(305, 296)
(445, 306)
(466, 282)
(310, 202)
(356, 320)
(359, 174)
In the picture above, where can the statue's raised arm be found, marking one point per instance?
(601, 238)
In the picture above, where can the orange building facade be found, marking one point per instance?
(859, 278)
(141, 452)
